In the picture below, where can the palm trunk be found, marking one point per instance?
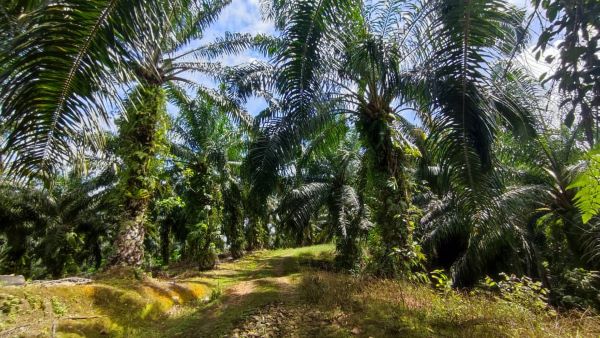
(392, 218)
(129, 246)
(347, 241)
(235, 236)
(393, 223)
(257, 233)
(165, 243)
(233, 220)
(141, 136)
(97, 251)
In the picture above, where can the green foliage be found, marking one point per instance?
(57, 231)
(587, 198)
(58, 308)
(215, 293)
(205, 175)
(142, 140)
(326, 182)
(482, 183)
(574, 25)
(60, 70)
(367, 59)
(200, 243)
(284, 300)
(142, 134)
(233, 220)
(9, 304)
(257, 232)
(579, 288)
(520, 290)
(441, 281)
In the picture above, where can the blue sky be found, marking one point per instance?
(241, 16)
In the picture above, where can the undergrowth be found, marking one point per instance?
(389, 308)
(295, 288)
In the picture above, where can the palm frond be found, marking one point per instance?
(229, 105)
(233, 43)
(58, 76)
(468, 36)
(301, 204)
(194, 20)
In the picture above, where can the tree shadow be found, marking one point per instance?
(389, 314)
(86, 328)
(95, 328)
(130, 311)
(261, 268)
(219, 318)
(140, 308)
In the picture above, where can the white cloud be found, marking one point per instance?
(241, 16)
(521, 3)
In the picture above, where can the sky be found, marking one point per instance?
(241, 16)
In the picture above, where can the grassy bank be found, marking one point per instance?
(271, 293)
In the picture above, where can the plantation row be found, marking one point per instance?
(453, 142)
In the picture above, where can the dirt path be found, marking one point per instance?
(183, 303)
(283, 315)
(254, 297)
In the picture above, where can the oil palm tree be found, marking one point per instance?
(209, 147)
(532, 216)
(60, 70)
(373, 62)
(68, 65)
(161, 62)
(328, 178)
(66, 227)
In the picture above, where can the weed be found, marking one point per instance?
(215, 293)
(9, 304)
(522, 291)
(35, 301)
(58, 308)
(329, 289)
(442, 282)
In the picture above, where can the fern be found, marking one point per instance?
(587, 198)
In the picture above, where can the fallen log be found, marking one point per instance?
(82, 317)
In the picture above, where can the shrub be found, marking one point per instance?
(329, 289)
(441, 281)
(520, 290)
(58, 308)
(578, 288)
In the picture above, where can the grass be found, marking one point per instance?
(386, 308)
(280, 293)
